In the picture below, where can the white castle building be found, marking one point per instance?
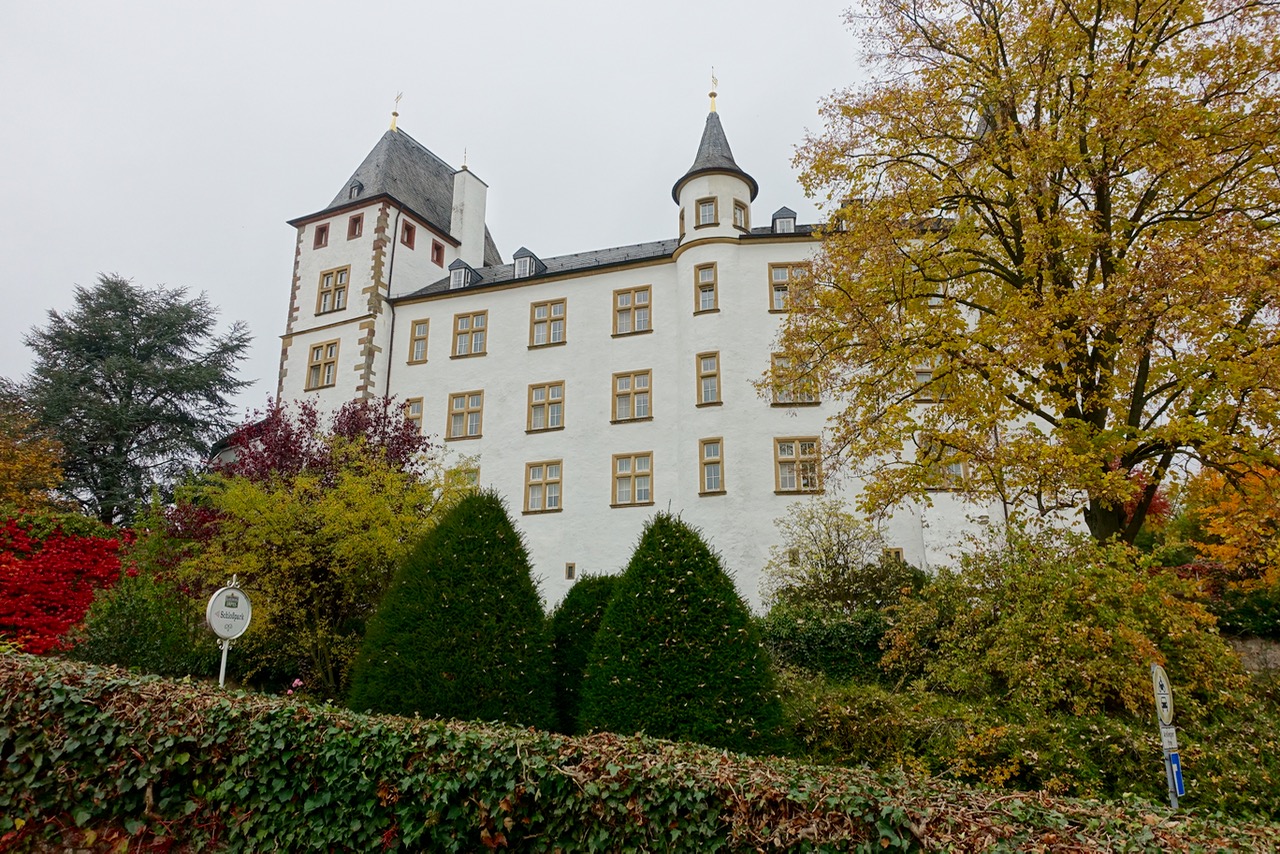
(590, 389)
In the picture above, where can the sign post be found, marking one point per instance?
(1168, 733)
(228, 614)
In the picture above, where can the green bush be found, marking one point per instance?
(574, 624)
(1056, 622)
(677, 654)
(1253, 613)
(1231, 762)
(840, 645)
(146, 622)
(460, 632)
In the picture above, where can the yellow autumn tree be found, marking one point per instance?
(1052, 259)
(1235, 522)
(30, 462)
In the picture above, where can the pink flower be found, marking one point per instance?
(297, 683)
(290, 691)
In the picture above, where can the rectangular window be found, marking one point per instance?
(740, 216)
(570, 571)
(408, 233)
(947, 471)
(457, 278)
(355, 226)
(413, 412)
(418, 341)
(321, 236)
(322, 365)
(546, 323)
(791, 388)
(930, 385)
(707, 213)
(469, 333)
(546, 407)
(524, 267)
(542, 487)
(708, 378)
(631, 396)
(711, 458)
(632, 479)
(781, 277)
(631, 311)
(333, 290)
(437, 253)
(797, 465)
(465, 415)
(894, 555)
(704, 289)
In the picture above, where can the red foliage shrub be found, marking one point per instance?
(47, 583)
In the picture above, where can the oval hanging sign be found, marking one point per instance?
(228, 613)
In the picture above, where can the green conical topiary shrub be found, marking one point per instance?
(461, 632)
(573, 630)
(677, 655)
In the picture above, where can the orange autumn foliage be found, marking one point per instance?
(1238, 524)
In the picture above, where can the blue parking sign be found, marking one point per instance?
(1175, 765)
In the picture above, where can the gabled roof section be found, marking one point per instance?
(563, 264)
(714, 156)
(406, 170)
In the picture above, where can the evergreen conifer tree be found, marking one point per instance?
(573, 631)
(461, 632)
(677, 655)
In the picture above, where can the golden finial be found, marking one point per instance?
(395, 114)
(714, 83)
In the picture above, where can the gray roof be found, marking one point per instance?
(714, 156)
(501, 273)
(403, 168)
(784, 213)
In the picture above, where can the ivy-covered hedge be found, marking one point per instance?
(92, 757)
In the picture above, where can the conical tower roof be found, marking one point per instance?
(714, 155)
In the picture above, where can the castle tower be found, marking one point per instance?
(715, 194)
(395, 225)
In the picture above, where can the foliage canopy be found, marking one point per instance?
(461, 632)
(1056, 222)
(135, 385)
(574, 625)
(314, 521)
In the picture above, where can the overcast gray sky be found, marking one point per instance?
(169, 142)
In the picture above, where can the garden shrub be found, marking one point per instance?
(677, 654)
(1249, 612)
(1058, 623)
(1231, 762)
(574, 624)
(838, 644)
(51, 565)
(148, 623)
(461, 631)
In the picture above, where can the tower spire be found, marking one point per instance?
(395, 112)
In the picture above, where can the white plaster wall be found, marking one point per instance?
(589, 532)
(411, 269)
(726, 188)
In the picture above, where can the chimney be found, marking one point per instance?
(467, 225)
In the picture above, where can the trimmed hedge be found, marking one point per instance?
(461, 631)
(677, 654)
(92, 757)
(574, 624)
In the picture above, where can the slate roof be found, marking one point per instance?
(714, 156)
(403, 168)
(497, 274)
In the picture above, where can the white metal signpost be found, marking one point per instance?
(1168, 733)
(228, 614)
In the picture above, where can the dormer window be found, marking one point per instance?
(461, 275)
(784, 221)
(527, 264)
(354, 190)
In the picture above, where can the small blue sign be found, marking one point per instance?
(1175, 763)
